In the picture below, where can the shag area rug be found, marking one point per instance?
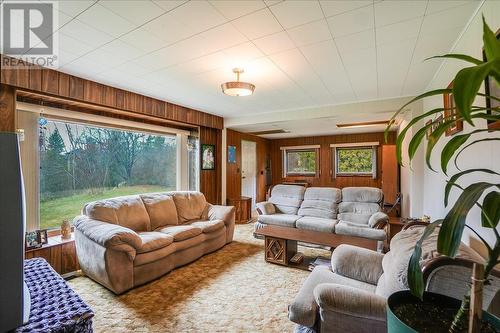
(230, 290)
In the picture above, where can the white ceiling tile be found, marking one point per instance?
(136, 11)
(70, 44)
(439, 5)
(351, 22)
(186, 20)
(104, 58)
(258, 24)
(74, 8)
(398, 31)
(204, 64)
(143, 40)
(310, 33)
(122, 49)
(81, 31)
(105, 20)
(233, 9)
(323, 55)
(356, 41)
(392, 11)
(169, 5)
(130, 68)
(274, 43)
(332, 8)
(451, 18)
(239, 55)
(435, 44)
(293, 13)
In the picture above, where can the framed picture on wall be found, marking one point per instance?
(207, 157)
(492, 88)
(231, 154)
(451, 113)
(429, 129)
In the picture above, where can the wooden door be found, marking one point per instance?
(390, 173)
(249, 170)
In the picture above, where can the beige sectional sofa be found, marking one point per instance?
(352, 211)
(127, 241)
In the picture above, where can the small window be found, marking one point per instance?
(300, 162)
(355, 161)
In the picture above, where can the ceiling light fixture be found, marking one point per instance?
(237, 88)
(364, 124)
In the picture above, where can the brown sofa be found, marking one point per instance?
(128, 241)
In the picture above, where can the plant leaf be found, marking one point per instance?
(450, 148)
(453, 224)
(453, 180)
(466, 85)
(415, 277)
(416, 140)
(491, 44)
(463, 57)
(472, 143)
(490, 213)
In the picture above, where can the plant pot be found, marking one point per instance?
(395, 324)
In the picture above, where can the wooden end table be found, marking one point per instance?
(59, 253)
(243, 206)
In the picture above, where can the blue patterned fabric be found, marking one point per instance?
(55, 307)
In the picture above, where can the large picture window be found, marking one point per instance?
(80, 163)
(355, 160)
(300, 161)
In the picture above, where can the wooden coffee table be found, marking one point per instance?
(281, 243)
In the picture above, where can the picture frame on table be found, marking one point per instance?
(207, 156)
(491, 88)
(36, 239)
(451, 113)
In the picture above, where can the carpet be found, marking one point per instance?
(230, 290)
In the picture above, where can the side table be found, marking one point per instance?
(59, 253)
(243, 206)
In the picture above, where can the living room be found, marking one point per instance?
(249, 166)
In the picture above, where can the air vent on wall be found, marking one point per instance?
(276, 131)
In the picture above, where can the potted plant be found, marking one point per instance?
(464, 89)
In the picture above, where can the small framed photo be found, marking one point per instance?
(207, 157)
(451, 113)
(32, 240)
(44, 239)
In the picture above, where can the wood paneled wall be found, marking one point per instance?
(7, 108)
(211, 180)
(326, 160)
(53, 83)
(233, 170)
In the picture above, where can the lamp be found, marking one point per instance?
(237, 88)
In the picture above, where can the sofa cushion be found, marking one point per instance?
(181, 232)
(359, 207)
(287, 198)
(161, 209)
(151, 256)
(320, 202)
(354, 218)
(127, 211)
(362, 194)
(395, 262)
(190, 205)
(285, 220)
(359, 230)
(316, 224)
(152, 240)
(208, 226)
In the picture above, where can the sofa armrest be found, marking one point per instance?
(226, 214)
(378, 220)
(265, 208)
(350, 301)
(108, 235)
(357, 263)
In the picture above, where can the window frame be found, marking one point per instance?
(362, 145)
(78, 118)
(293, 149)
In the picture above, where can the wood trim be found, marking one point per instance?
(315, 237)
(7, 108)
(301, 147)
(49, 83)
(354, 144)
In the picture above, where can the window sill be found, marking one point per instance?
(354, 175)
